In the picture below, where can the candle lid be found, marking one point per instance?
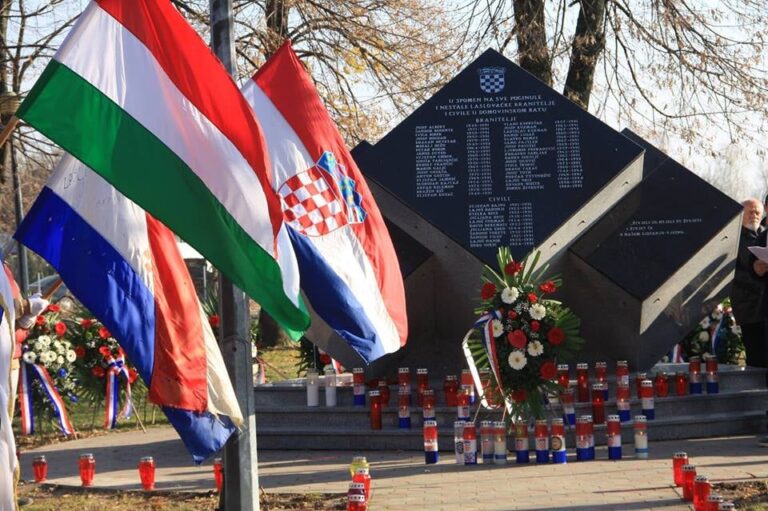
(451, 377)
(357, 486)
(499, 424)
(485, 424)
(582, 365)
(714, 497)
(646, 383)
(39, 457)
(355, 458)
(383, 383)
(557, 422)
(357, 370)
(725, 506)
(613, 418)
(562, 367)
(422, 370)
(597, 386)
(621, 363)
(146, 459)
(641, 419)
(541, 422)
(403, 370)
(680, 455)
(702, 479)
(87, 455)
(374, 393)
(430, 424)
(217, 461)
(689, 468)
(469, 424)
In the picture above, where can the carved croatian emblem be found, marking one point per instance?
(492, 79)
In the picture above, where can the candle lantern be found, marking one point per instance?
(451, 389)
(701, 489)
(689, 477)
(431, 451)
(466, 377)
(363, 476)
(404, 407)
(613, 436)
(147, 472)
(582, 442)
(678, 460)
(313, 388)
(590, 433)
(639, 377)
(582, 382)
(646, 399)
(557, 442)
(522, 454)
(218, 474)
(358, 386)
(356, 500)
(569, 412)
(601, 377)
(622, 402)
(713, 381)
(486, 441)
(622, 372)
(87, 466)
(726, 506)
(40, 468)
(470, 444)
(458, 441)
(681, 384)
(661, 385)
(541, 441)
(375, 399)
(422, 383)
(598, 403)
(499, 443)
(462, 406)
(404, 377)
(694, 375)
(384, 392)
(641, 437)
(713, 502)
(330, 386)
(563, 378)
(428, 404)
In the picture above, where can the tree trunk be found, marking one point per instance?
(276, 14)
(533, 52)
(588, 44)
(5, 60)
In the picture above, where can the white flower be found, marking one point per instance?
(498, 327)
(60, 360)
(535, 348)
(537, 311)
(44, 340)
(736, 329)
(50, 356)
(67, 344)
(30, 357)
(705, 322)
(703, 336)
(509, 294)
(71, 356)
(38, 346)
(517, 360)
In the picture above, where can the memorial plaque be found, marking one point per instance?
(655, 264)
(498, 158)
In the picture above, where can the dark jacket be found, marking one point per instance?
(748, 289)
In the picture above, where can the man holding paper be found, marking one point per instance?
(749, 285)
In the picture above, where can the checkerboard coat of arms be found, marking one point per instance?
(491, 79)
(321, 199)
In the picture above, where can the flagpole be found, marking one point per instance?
(241, 481)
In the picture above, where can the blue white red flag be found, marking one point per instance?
(349, 270)
(125, 267)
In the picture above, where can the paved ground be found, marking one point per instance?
(402, 481)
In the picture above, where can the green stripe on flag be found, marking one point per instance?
(90, 126)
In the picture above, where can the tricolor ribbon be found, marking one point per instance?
(715, 334)
(485, 325)
(677, 354)
(116, 367)
(26, 373)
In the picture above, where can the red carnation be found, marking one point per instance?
(86, 323)
(519, 395)
(40, 320)
(79, 351)
(132, 375)
(532, 298)
(548, 370)
(535, 326)
(54, 308)
(105, 351)
(98, 372)
(555, 336)
(548, 287)
(214, 320)
(513, 268)
(61, 328)
(511, 314)
(104, 333)
(517, 339)
(488, 291)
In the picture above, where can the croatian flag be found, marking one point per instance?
(7, 444)
(349, 270)
(125, 267)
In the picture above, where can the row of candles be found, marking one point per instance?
(87, 470)
(691, 382)
(696, 488)
(549, 441)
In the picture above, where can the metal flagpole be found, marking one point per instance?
(241, 481)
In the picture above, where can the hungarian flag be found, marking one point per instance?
(349, 270)
(137, 96)
(7, 444)
(125, 267)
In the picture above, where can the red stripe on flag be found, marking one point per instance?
(179, 375)
(285, 82)
(200, 76)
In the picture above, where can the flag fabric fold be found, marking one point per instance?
(137, 96)
(348, 266)
(125, 267)
(7, 443)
